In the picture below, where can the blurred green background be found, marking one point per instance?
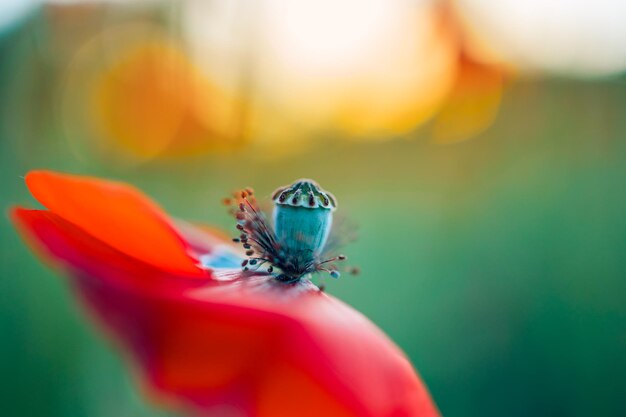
(498, 263)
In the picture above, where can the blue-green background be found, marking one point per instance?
(498, 264)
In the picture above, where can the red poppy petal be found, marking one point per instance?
(70, 247)
(118, 215)
(332, 350)
(252, 346)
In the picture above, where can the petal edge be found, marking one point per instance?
(118, 215)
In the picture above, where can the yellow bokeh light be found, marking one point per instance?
(154, 101)
(370, 69)
(571, 37)
(359, 69)
(133, 92)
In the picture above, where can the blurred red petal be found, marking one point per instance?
(252, 346)
(70, 247)
(118, 215)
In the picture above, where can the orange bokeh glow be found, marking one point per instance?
(472, 105)
(152, 101)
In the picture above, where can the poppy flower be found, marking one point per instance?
(203, 333)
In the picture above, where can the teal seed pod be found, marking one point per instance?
(303, 217)
(296, 245)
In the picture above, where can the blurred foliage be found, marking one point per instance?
(496, 263)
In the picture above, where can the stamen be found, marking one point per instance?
(336, 258)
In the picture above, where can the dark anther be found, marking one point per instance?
(354, 271)
(240, 215)
(341, 257)
(294, 200)
(270, 269)
(245, 268)
(325, 201)
(239, 226)
(243, 237)
(244, 263)
(311, 201)
(249, 190)
(236, 240)
(253, 262)
(242, 207)
(244, 194)
(250, 252)
(282, 197)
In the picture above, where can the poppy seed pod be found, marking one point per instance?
(303, 217)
